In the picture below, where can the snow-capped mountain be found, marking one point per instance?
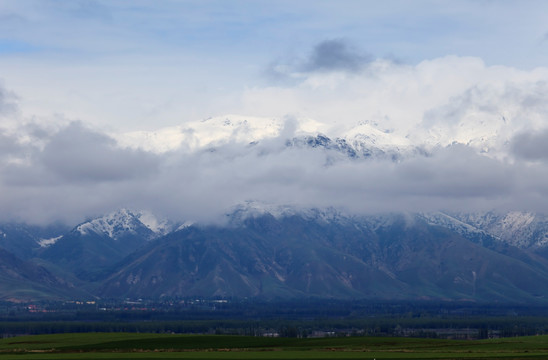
(467, 230)
(101, 242)
(124, 223)
(278, 251)
(525, 230)
(363, 137)
(246, 129)
(238, 214)
(293, 253)
(204, 133)
(360, 147)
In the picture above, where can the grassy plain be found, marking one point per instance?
(161, 346)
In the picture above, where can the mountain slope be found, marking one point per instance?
(25, 240)
(522, 229)
(266, 258)
(94, 245)
(296, 256)
(23, 280)
(442, 264)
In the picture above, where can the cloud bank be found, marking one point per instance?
(471, 137)
(81, 173)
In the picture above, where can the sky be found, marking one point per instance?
(102, 106)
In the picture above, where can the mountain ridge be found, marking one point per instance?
(362, 135)
(272, 251)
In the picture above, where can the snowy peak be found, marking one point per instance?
(204, 133)
(361, 146)
(521, 229)
(255, 209)
(248, 129)
(366, 137)
(111, 225)
(367, 134)
(125, 222)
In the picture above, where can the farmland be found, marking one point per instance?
(162, 346)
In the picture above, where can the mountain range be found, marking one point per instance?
(283, 252)
(277, 252)
(363, 136)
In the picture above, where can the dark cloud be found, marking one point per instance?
(76, 173)
(335, 55)
(79, 154)
(200, 185)
(531, 146)
(456, 171)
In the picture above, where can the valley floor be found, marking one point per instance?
(161, 346)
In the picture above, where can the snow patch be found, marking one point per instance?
(185, 225)
(48, 242)
(515, 220)
(439, 218)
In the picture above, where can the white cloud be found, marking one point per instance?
(482, 127)
(66, 181)
(129, 65)
(438, 101)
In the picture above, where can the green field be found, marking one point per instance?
(161, 346)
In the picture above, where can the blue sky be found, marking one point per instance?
(500, 32)
(95, 97)
(160, 60)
